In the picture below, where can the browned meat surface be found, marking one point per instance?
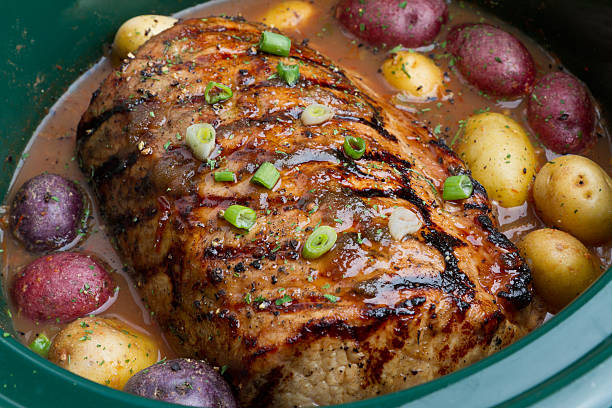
(400, 313)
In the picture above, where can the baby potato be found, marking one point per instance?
(105, 351)
(561, 266)
(574, 194)
(500, 156)
(413, 73)
(135, 32)
(288, 15)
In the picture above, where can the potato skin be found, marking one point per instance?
(47, 213)
(561, 113)
(574, 194)
(105, 351)
(424, 78)
(379, 22)
(288, 15)
(182, 381)
(561, 266)
(62, 287)
(491, 59)
(500, 156)
(135, 32)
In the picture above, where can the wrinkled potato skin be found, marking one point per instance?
(425, 78)
(102, 350)
(500, 156)
(574, 194)
(288, 15)
(135, 32)
(561, 266)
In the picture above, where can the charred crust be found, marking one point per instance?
(495, 237)
(114, 166)
(454, 281)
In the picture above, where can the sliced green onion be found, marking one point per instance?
(288, 73)
(316, 114)
(201, 140)
(216, 92)
(457, 188)
(319, 242)
(225, 176)
(240, 216)
(274, 43)
(41, 345)
(266, 175)
(354, 147)
(402, 221)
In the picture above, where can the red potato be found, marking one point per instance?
(62, 287)
(491, 59)
(411, 23)
(561, 113)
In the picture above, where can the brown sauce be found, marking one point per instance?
(52, 147)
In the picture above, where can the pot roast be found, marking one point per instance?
(372, 315)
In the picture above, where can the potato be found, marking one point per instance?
(574, 194)
(561, 266)
(413, 73)
(135, 32)
(106, 351)
(288, 15)
(48, 213)
(390, 22)
(491, 59)
(183, 381)
(500, 156)
(62, 287)
(561, 113)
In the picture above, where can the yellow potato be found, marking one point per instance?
(500, 156)
(574, 194)
(136, 31)
(288, 15)
(561, 266)
(105, 351)
(413, 73)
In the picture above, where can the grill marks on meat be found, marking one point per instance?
(373, 315)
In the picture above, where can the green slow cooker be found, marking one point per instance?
(565, 363)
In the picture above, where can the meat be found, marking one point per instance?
(371, 316)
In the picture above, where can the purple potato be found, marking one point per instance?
(491, 59)
(47, 213)
(411, 23)
(62, 287)
(182, 381)
(561, 113)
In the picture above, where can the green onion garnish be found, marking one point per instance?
(274, 43)
(319, 242)
(240, 216)
(41, 345)
(457, 188)
(316, 114)
(201, 140)
(216, 92)
(225, 176)
(288, 73)
(266, 175)
(354, 147)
